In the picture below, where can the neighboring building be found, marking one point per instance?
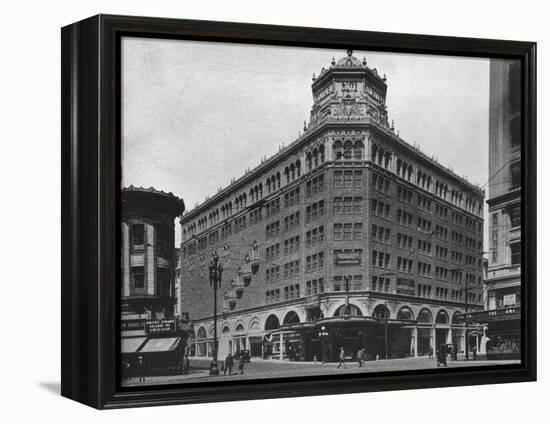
(148, 268)
(503, 283)
(349, 228)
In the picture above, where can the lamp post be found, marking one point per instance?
(323, 334)
(215, 275)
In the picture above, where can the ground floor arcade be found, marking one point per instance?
(317, 330)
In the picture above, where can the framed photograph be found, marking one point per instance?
(254, 211)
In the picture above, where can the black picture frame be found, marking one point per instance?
(91, 174)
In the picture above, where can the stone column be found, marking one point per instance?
(281, 346)
(449, 335)
(150, 265)
(415, 335)
(125, 260)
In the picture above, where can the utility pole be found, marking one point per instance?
(346, 281)
(466, 338)
(215, 275)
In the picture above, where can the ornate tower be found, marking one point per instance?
(349, 91)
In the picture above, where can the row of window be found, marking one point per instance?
(315, 236)
(292, 197)
(347, 205)
(355, 283)
(348, 231)
(315, 185)
(348, 179)
(315, 211)
(291, 269)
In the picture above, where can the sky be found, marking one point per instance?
(197, 114)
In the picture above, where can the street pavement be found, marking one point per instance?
(259, 368)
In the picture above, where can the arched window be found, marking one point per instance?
(405, 313)
(298, 168)
(315, 158)
(381, 311)
(425, 317)
(442, 317)
(292, 172)
(291, 318)
(455, 317)
(278, 180)
(308, 161)
(387, 160)
(201, 334)
(321, 153)
(272, 323)
(338, 150)
(358, 149)
(354, 311)
(287, 175)
(239, 328)
(261, 191)
(226, 330)
(374, 152)
(314, 314)
(348, 150)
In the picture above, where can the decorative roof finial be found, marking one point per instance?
(350, 52)
(314, 77)
(392, 127)
(364, 61)
(305, 127)
(333, 61)
(384, 77)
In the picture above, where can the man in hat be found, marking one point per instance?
(141, 368)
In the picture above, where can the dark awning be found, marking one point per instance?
(131, 345)
(166, 344)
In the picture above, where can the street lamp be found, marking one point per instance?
(215, 275)
(323, 335)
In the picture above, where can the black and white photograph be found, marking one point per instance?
(301, 212)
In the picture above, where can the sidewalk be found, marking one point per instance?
(260, 369)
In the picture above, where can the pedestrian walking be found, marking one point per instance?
(342, 357)
(360, 357)
(474, 352)
(241, 364)
(141, 369)
(228, 364)
(185, 367)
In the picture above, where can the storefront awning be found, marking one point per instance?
(166, 344)
(130, 345)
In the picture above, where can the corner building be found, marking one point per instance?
(349, 228)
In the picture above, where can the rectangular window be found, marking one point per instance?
(358, 179)
(348, 231)
(515, 175)
(515, 250)
(138, 277)
(348, 205)
(358, 205)
(338, 232)
(348, 178)
(338, 179)
(137, 235)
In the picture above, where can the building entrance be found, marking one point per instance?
(441, 336)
